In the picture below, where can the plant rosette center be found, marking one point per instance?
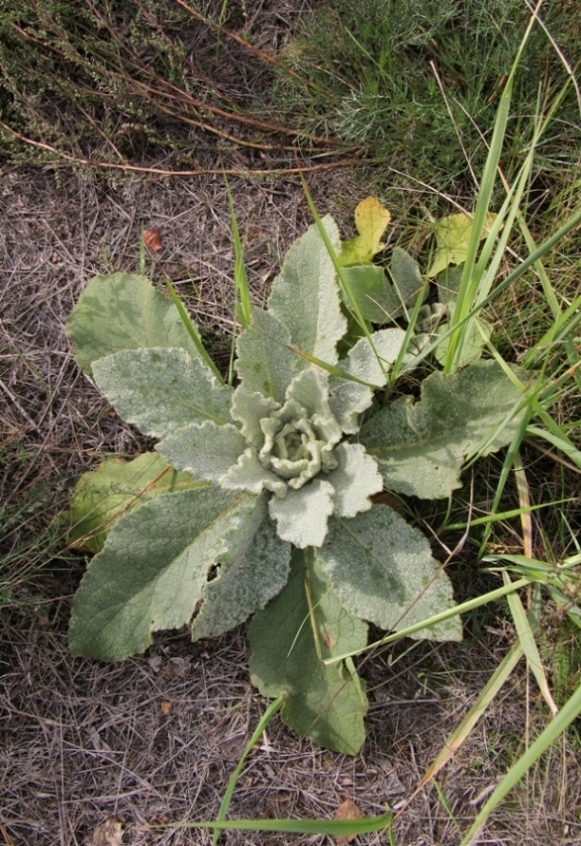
(294, 449)
(298, 446)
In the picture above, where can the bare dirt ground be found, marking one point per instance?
(152, 741)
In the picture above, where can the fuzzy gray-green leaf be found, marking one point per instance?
(302, 515)
(305, 295)
(324, 703)
(160, 389)
(245, 580)
(152, 570)
(266, 363)
(407, 277)
(420, 446)
(356, 479)
(124, 311)
(206, 450)
(349, 399)
(382, 570)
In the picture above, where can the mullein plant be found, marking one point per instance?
(263, 498)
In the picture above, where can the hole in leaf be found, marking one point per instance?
(214, 572)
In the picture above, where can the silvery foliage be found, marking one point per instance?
(280, 522)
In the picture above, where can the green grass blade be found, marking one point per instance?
(569, 712)
(466, 290)
(332, 828)
(559, 440)
(470, 281)
(265, 720)
(244, 306)
(502, 515)
(464, 728)
(529, 645)
(527, 263)
(192, 332)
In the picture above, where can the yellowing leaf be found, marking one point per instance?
(104, 495)
(453, 235)
(371, 219)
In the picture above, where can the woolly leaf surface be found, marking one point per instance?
(206, 450)
(161, 389)
(265, 362)
(420, 446)
(305, 296)
(382, 570)
(124, 311)
(297, 630)
(245, 581)
(153, 567)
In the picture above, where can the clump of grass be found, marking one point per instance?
(31, 539)
(413, 83)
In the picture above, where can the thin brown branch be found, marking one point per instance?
(219, 171)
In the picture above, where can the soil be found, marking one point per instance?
(152, 741)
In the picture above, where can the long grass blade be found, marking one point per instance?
(263, 724)
(529, 645)
(333, 828)
(192, 332)
(465, 727)
(568, 713)
(244, 306)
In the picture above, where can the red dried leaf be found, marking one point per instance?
(152, 239)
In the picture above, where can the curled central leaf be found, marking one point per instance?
(297, 446)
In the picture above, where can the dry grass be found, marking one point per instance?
(151, 741)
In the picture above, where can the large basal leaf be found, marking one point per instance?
(116, 487)
(301, 627)
(420, 446)
(244, 582)
(305, 296)
(124, 312)
(153, 567)
(266, 364)
(160, 390)
(382, 570)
